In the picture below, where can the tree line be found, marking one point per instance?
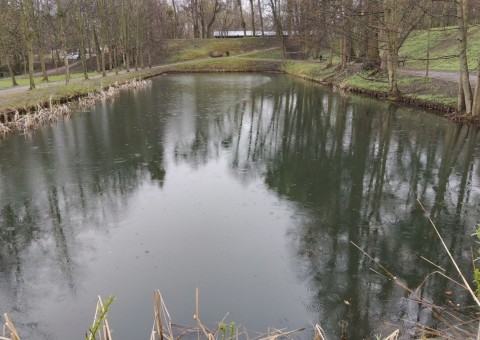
(129, 33)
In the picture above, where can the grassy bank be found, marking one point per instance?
(187, 49)
(25, 100)
(431, 94)
(426, 93)
(440, 44)
(262, 55)
(177, 56)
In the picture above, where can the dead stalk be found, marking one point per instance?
(162, 323)
(469, 289)
(319, 333)
(9, 328)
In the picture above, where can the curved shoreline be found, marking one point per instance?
(217, 65)
(447, 111)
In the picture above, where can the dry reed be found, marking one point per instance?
(455, 322)
(9, 331)
(51, 112)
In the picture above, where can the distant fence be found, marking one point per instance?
(241, 34)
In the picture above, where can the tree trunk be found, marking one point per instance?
(330, 55)
(461, 97)
(26, 18)
(30, 63)
(67, 69)
(61, 13)
(261, 17)
(102, 35)
(115, 60)
(276, 19)
(41, 54)
(242, 19)
(392, 57)
(55, 58)
(83, 49)
(97, 48)
(10, 70)
(175, 16)
(476, 97)
(253, 17)
(462, 7)
(110, 59)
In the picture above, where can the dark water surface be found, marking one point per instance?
(251, 188)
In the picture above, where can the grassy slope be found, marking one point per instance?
(186, 49)
(174, 51)
(264, 54)
(443, 46)
(40, 96)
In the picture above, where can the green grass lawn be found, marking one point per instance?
(443, 48)
(228, 64)
(187, 49)
(60, 91)
(24, 80)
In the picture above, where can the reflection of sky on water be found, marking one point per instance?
(249, 187)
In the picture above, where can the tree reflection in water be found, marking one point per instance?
(355, 169)
(352, 168)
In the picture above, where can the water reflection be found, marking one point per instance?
(356, 170)
(344, 168)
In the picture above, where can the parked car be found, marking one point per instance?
(73, 56)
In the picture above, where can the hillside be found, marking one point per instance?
(442, 44)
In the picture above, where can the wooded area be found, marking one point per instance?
(128, 33)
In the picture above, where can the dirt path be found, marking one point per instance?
(58, 70)
(24, 88)
(442, 75)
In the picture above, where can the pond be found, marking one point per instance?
(250, 187)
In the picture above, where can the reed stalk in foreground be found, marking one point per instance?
(100, 329)
(9, 332)
(456, 323)
(163, 328)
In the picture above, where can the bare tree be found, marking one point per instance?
(399, 19)
(11, 38)
(465, 99)
(27, 18)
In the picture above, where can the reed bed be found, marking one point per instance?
(51, 112)
(164, 329)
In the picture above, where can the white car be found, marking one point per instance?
(73, 56)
